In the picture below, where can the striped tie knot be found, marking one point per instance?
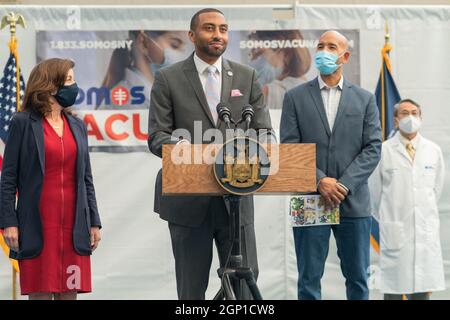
(211, 70)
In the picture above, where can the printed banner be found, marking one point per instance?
(115, 71)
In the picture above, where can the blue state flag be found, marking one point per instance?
(387, 96)
(11, 96)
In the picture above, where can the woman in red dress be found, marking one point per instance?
(56, 225)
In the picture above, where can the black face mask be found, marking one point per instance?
(67, 95)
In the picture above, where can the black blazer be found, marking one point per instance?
(23, 173)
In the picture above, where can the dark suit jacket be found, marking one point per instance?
(23, 172)
(177, 100)
(349, 152)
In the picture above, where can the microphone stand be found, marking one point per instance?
(233, 271)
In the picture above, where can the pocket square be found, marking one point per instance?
(236, 93)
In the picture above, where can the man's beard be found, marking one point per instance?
(212, 52)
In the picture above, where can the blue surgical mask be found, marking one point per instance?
(326, 62)
(265, 72)
(155, 67)
(170, 56)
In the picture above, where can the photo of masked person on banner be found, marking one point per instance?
(150, 51)
(116, 80)
(279, 69)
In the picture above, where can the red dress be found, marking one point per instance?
(58, 268)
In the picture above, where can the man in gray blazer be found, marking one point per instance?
(342, 120)
(188, 92)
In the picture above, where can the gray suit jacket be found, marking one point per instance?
(349, 152)
(177, 100)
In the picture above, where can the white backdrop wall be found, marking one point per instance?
(134, 260)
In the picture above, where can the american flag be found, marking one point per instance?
(8, 99)
(8, 105)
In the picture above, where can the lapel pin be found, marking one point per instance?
(230, 73)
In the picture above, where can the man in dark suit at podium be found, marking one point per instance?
(184, 93)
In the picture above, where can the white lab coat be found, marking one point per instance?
(404, 201)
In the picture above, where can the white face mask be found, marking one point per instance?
(171, 55)
(410, 124)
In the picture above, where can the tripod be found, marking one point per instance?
(233, 273)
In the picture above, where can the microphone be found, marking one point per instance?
(224, 113)
(247, 115)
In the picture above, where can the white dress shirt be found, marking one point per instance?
(331, 97)
(405, 141)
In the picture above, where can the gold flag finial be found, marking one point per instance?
(386, 35)
(12, 20)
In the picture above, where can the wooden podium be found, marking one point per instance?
(296, 170)
(292, 171)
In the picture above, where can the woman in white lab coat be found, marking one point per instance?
(405, 189)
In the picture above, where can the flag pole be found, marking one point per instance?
(14, 283)
(386, 51)
(12, 20)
